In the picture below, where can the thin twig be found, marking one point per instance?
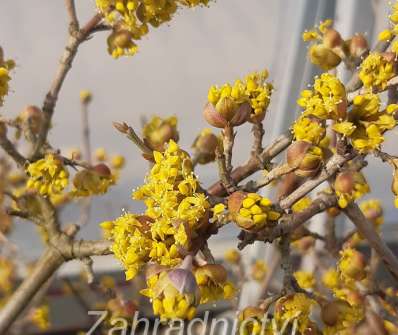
(67, 58)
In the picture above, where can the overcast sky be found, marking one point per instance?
(171, 74)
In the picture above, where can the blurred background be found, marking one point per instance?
(170, 75)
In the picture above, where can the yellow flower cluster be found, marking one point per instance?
(131, 241)
(305, 279)
(47, 175)
(340, 317)
(351, 265)
(327, 99)
(389, 34)
(40, 317)
(253, 90)
(259, 270)
(213, 284)
(174, 216)
(251, 211)
(131, 19)
(5, 67)
(349, 186)
(254, 321)
(376, 70)
(294, 307)
(170, 300)
(366, 123)
(158, 132)
(309, 129)
(327, 50)
(92, 181)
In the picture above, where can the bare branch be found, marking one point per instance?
(42, 271)
(366, 229)
(10, 149)
(254, 164)
(65, 65)
(71, 10)
(332, 166)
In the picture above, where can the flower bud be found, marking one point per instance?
(305, 157)
(352, 264)
(184, 281)
(324, 57)
(251, 313)
(205, 146)
(157, 132)
(121, 127)
(358, 46)
(102, 170)
(344, 182)
(332, 312)
(332, 38)
(226, 112)
(85, 97)
(232, 256)
(32, 117)
(213, 272)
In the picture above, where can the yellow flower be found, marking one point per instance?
(301, 204)
(92, 181)
(48, 175)
(235, 104)
(351, 265)
(40, 317)
(118, 161)
(373, 211)
(213, 284)
(294, 307)
(376, 71)
(385, 35)
(308, 129)
(174, 294)
(349, 186)
(131, 241)
(232, 256)
(366, 123)
(327, 100)
(305, 279)
(5, 67)
(331, 279)
(85, 96)
(157, 132)
(100, 154)
(259, 270)
(133, 17)
(251, 210)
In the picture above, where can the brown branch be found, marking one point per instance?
(124, 128)
(228, 138)
(67, 58)
(366, 229)
(71, 10)
(223, 173)
(289, 222)
(84, 248)
(332, 166)
(254, 164)
(47, 265)
(258, 134)
(277, 172)
(10, 149)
